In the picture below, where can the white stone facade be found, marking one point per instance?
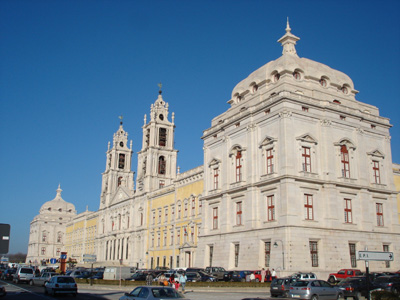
(47, 230)
(297, 161)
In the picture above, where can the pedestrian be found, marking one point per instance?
(263, 274)
(172, 280)
(182, 281)
(149, 279)
(252, 277)
(161, 279)
(268, 275)
(273, 274)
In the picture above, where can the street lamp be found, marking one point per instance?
(283, 252)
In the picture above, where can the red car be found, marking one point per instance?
(343, 274)
(257, 275)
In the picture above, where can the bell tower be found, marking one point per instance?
(157, 158)
(118, 172)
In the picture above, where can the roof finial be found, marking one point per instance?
(59, 190)
(288, 29)
(160, 86)
(288, 41)
(120, 117)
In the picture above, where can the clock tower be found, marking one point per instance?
(118, 172)
(157, 159)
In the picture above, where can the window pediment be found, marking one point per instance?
(307, 138)
(267, 141)
(376, 153)
(346, 142)
(214, 162)
(235, 149)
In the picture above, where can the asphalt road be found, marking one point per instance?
(24, 291)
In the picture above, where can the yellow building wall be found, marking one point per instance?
(168, 249)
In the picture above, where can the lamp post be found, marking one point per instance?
(283, 252)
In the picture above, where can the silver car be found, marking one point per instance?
(42, 279)
(314, 290)
(152, 293)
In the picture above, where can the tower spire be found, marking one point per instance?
(288, 41)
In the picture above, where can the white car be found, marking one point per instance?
(61, 284)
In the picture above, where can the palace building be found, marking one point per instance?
(297, 175)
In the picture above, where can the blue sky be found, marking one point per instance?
(68, 69)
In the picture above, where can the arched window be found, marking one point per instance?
(161, 165)
(119, 180)
(344, 153)
(121, 162)
(238, 165)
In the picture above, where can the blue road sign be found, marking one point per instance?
(63, 256)
(53, 260)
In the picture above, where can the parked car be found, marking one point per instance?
(304, 276)
(61, 284)
(23, 274)
(206, 277)
(98, 275)
(77, 273)
(281, 286)
(355, 287)
(42, 279)
(2, 291)
(343, 274)
(217, 272)
(388, 283)
(233, 276)
(138, 276)
(314, 290)
(152, 293)
(8, 274)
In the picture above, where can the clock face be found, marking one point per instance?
(121, 144)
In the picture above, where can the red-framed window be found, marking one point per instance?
(154, 217)
(43, 251)
(348, 215)
(271, 208)
(236, 255)
(270, 161)
(178, 235)
(344, 154)
(239, 213)
(185, 213)
(192, 233)
(377, 173)
(216, 177)
(119, 180)
(161, 184)
(193, 206)
(308, 207)
(172, 237)
(215, 218)
(238, 159)
(386, 249)
(159, 215)
(58, 252)
(166, 215)
(379, 214)
(314, 253)
(44, 236)
(306, 155)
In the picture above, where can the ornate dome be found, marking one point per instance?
(57, 205)
(313, 75)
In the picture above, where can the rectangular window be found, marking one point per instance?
(185, 213)
(238, 166)
(306, 155)
(162, 137)
(308, 207)
(379, 214)
(267, 246)
(58, 252)
(314, 254)
(236, 255)
(386, 249)
(177, 261)
(192, 234)
(377, 173)
(211, 255)
(165, 239)
(159, 215)
(345, 161)
(44, 237)
(238, 213)
(178, 236)
(193, 206)
(271, 208)
(303, 108)
(270, 161)
(161, 184)
(353, 260)
(215, 218)
(152, 241)
(43, 250)
(348, 216)
(154, 217)
(216, 174)
(166, 215)
(172, 238)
